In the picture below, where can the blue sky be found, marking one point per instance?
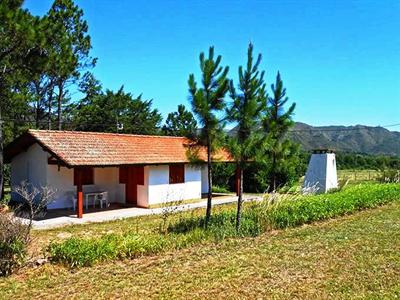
(339, 60)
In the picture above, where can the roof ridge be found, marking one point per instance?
(106, 133)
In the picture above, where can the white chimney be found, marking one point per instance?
(321, 175)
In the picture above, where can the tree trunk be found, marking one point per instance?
(1, 159)
(39, 95)
(59, 100)
(37, 122)
(273, 173)
(209, 174)
(240, 200)
(49, 109)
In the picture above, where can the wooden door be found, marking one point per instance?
(131, 176)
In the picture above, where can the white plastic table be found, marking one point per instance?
(94, 195)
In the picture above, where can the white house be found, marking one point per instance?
(134, 170)
(321, 175)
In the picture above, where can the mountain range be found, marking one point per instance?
(355, 139)
(358, 138)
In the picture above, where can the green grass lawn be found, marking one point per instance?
(355, 256)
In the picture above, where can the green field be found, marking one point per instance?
(356, 256)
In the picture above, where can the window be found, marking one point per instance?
(87, 176)
(176, 173)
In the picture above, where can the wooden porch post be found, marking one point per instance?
(79, 196)
(237, 181)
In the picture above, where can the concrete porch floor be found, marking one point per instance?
(55, 219)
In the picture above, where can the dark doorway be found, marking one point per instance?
(131, 176)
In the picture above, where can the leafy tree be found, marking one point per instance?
(246, 110)
(104, 111)
(180, 123)
(276, 124)
(206, 102)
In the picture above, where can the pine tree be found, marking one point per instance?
(245, 111)
(276, 124)
(19, 37)
(180, 123)
(206, 102)
(68, 46)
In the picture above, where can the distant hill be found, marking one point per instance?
(358, 139)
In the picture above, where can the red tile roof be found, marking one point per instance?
(74, 148)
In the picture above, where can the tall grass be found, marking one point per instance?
(319, 207)
(88, 251)
(272, 213)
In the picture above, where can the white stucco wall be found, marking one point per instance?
(107, 179)
(30, 166)
(331, 172)
(321, 175)
(143, 190)
(63, 182)
(159, 189)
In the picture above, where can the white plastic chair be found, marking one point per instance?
(102, 198)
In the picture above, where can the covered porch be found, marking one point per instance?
(86, 189)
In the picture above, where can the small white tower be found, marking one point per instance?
(321, 175)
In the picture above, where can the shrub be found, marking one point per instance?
(219, 189)
(13, 243)
(389, 175)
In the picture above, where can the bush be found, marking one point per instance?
(389, 175)
(13, 243)
(219, 189)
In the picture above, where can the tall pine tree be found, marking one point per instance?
(245, 111)
(19, 39)
(207, 101)
(276, 124)
(69, 47)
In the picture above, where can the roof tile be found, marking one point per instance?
(94, 149)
